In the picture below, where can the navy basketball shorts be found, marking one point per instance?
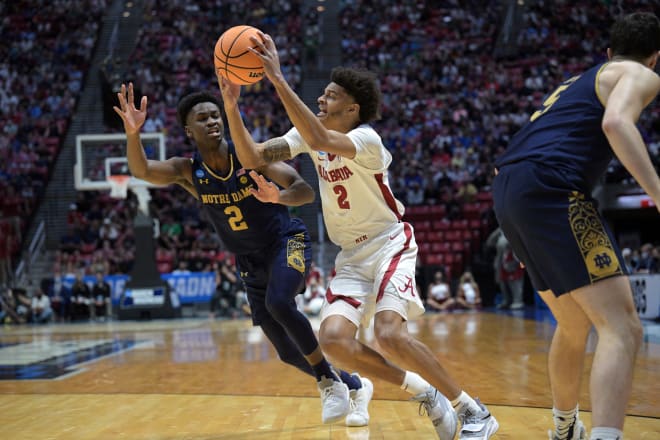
(554, 229)
(279, 270)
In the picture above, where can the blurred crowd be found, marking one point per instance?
(45, 55)
(453, 96)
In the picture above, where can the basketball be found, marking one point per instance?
(233, 59)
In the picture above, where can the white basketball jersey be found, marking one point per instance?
(355, 193)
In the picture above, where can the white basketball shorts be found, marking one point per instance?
(376, 275)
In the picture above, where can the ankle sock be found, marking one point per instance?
(606, 434)
(414, 383)
(351, 380)
(564, 422)
(323, 368)
(463, 402)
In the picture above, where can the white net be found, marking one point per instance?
(119, 185)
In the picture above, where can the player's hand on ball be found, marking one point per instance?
(266, 191)
(133, 117)
(267, 51)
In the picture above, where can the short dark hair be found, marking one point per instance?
(362, 85)
(635, 35)
(189, 101)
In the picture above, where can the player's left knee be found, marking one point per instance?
(279, 308)
(390, 338)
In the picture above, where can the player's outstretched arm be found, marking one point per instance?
(246, 147)
(635, 88)
(310, 128)
(251, 154)
(296, 191)
(157, 172)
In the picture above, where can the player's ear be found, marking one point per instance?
(609, 53)
(188, 132)
(653, 60)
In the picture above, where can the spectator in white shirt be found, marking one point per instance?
(41, 310)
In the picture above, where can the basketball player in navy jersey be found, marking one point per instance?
(543, 202)
(251, 217)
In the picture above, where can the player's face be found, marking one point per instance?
(204, 123)
(336, 106)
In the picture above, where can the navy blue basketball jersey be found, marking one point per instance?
(566, 133)
(244, 224)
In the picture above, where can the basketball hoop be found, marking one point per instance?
(119, 185)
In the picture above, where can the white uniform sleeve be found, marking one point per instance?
(370, 151)
(297, 144)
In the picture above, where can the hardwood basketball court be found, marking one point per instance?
(199, 379)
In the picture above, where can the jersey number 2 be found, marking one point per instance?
(342, 195)
(236, 221)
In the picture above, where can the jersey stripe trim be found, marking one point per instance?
(596, 88)
(394, 263)
(331, 297)
(387, 194)
(229, 173)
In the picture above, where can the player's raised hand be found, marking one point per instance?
(266, 191)
(266, 50)
(230, 91)
(133, 117)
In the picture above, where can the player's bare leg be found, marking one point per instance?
(392, 335)
(567, 350)
(610, 307)
(337, 337)
(566, 362)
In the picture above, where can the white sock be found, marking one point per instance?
(463, 402)
(414, 383)
(606, 434)
(563, 421)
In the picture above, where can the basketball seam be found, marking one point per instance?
(227, 57)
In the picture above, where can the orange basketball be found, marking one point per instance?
(232, 58)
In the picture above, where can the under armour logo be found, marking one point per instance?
(204, 181)
(407, 286)
(602, 260)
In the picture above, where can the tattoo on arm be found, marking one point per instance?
(276, 150)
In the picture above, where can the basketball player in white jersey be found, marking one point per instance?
(375, 269)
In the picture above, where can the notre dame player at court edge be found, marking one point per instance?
(542, 196)
(273, 250)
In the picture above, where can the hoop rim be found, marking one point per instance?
(119, 185)
(119, 178)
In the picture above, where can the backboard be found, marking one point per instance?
(101, 155)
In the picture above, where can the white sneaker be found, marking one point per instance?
(575, 432)
(334, 400)
(479, 426)
(359, 413)
(440, 411)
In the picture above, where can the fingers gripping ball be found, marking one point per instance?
(232, 58)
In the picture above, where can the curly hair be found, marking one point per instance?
(189, 101)
(635, 35)
(362, 85)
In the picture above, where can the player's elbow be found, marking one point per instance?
(308, 195)
(304, 193)
(613, 124)
(139, 172)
